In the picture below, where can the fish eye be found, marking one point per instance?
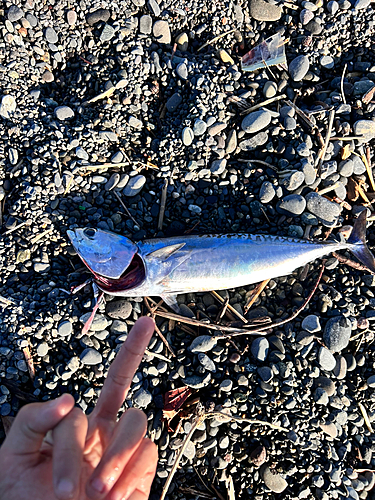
(89, 232)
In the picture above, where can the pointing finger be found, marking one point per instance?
(122, 370)
(32, 424)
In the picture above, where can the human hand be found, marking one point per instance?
(92, 457)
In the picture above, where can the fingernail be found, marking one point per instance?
(98, 485)
(65, 489)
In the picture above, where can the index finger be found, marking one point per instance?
(123, 368)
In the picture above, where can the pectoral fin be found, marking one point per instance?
(171, 301)
(165, 252)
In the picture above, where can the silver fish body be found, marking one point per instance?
(170, 266)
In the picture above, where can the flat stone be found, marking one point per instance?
(135, 122)
(182, 41)
(7, 106)
(182, 71)
(65, 328)
(42, 349)
(267, 192)
(142, 398)
(71, 17)
(99, 323)
(337, 333)
(341, 368)
(293, 181)
(311, 323)
(145, 24)
(306, 16)
(272, 479)
(326, 384)
(97, 16)
(321, 397)
(346, 168)
(329, 429)
(107, 33)
(255, 141)
(371, 381)
(203, 343)
(327, 62)
(362, 4)
(216, 128)
(333, 7)
(173, 102)
(298, 67)
(64, 113)
(200, 127)
(264, 11)
(326, 359)
(265, 373)
(15, 13)
(162, 32)
(218, 166)
(225, 57)
(50, 35)
(196, 382)
(259, 348)
(48, 76)
(153, 7)
(321, 207)
(293, 204)
(206, 362)
(226, 385)
(256, 121)
(90, 357)
(269, 89)
(134, 185)
(359, 167)
(365, 128)
(314, 27)
(119, 309)
(187, 136)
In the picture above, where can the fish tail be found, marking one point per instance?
(357, 242)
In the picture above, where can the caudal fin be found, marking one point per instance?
(357, 242)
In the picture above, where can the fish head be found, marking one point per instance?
(105, 254)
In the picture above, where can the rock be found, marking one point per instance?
(7, 106)
(182, 71)
(182, 41)
(71, 17)
(187, 136)
(329, 429)
(50, 35)
(134, 185)
(206, 362)
(326, 359)
(15, 13)
(333, 7)
(225, 57)
(189, 451)
(196, 382)
(264, 11)
(272, 479)
(267, 192)
(200, 127)
(231, 143)
(299, 67)
(173, 102)
(362, 4)
(337, 333)
(226, 385)
(218, 166)
(65, 328)
(255, 141)
(359, 167)
(90, 357)
(119, 309)
(258, 120)
(293, 204)
(97, 16)
(154, 7)
(216, 128)
(327, 62)
(107, 33)
(42, 349)
(311, 323)
(269, 89)
(365, 128)
(314, 27)
(265, 373)
(306, 16)
(142, 398)
(371, 381)
(326, 210)
(259, 348)
(145, 24)
(326, 384)
(340, 368)
(135, 122)
(293, 181)
(64, 113)
(162, 32)
(321, 397)
(48, 76)
(203, 343)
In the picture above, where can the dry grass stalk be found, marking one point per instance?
(230, 488)
(342, 84)
(29, 362)
(213, 40)
(125, 207)
(264, 103)
(40, 236)
(302, 115)
(162, 204)
(230, 307)
(323, 150)
(164, 340)
(365, 159)
(255, 294)
(365, 417)
(157, 355)
(329, 188)
(103, 95)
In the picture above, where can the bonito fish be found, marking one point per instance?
(170, 266)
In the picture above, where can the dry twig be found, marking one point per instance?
(29, 362)
(342, 84)
(264, 103)
(255, 293)
(125, 207)
(323, 150)
(162, 204)
(215, 39)
(230, 307)
(365, 417)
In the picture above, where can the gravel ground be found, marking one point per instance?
(104, 101)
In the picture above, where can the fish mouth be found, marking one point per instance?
(132, 277)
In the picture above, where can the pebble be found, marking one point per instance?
(269, 89)
(272, 479)
(182, 41)
(71, 17)
(98, 15)
(258, 120)
(161, 32)
(135, 122)
(145, 24)
(340, 369)
(329, 429)
(206, 362)
(337, 333)
(306, 16)
(225, 57)
(42, 349)
(107, 33)
(7, 106)
(293, 204)
(255, 141)
(134, 185)
(196, 382)
(154, 7)
(298, 67)
(182, 71)
(65, 329)
(173, 102)
(51, 35)
(326, 384)
(119, 309)
(218, 166)
(226, 385)
(64, 113)
(333, 7)
(99, 323)
(326, 210)
(321, 397)
(264, 11)
(142, 398)
(311, 323)
(203, 343)
(267, 192)
(371, 381)
(187, 136)
(90, 357)
(259, 348)
(200, 127)
(48, 77)
(326, 359)
(327, 62)
(365, 128)
(15, 13)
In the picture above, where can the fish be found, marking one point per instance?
(167, 267)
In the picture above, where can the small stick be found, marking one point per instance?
(164, 340)
(125, 207)
(103, 95)
(303, 115)
(368, 96)
(29, 362)
(230, 307)
(329, 188)
(157, 355)
(368, 167)
(223, 310)
(40, 236)
(365, 417)
(204, 484)
(162, 204)
(215, 39)
(6, 301)
(347, 138)
(14, 228)
(342, 84)
(255, 294)
(351, 263)
(261, 162)
(322, 152)
(103, 165)
(264, 103)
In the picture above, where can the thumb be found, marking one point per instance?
(33, 422)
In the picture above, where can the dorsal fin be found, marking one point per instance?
(165, 252)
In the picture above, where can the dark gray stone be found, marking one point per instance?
(299, 67)
(97, 16)
(90, 357)
(337, 333)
